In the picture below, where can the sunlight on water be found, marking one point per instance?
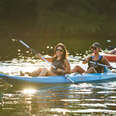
(15, 66)
(29, 91)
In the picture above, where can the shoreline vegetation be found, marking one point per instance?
(76, 23)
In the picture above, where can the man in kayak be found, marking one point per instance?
(93, 60)
(59, 61)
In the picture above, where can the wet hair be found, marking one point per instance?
(64, 56)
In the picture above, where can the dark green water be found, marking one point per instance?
(61, 100)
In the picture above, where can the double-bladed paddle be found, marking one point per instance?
(101, 65)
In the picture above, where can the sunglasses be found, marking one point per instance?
(93, 48)
(60, 50)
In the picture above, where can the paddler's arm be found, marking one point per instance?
(86, 60)
(39, 56)
(112, 51)
(67, 66)
(106, 62)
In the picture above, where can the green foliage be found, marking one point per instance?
(58, 18)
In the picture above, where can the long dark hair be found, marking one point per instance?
(64, 56)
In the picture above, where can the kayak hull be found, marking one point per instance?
(72, 78)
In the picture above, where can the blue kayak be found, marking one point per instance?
(70, 78)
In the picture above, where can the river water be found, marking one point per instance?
(43, 24)
(85, 99)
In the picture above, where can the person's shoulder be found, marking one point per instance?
(90, 56)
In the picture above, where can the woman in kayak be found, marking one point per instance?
(59, 61)
(93, 60)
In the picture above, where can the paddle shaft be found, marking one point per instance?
(68, 78)
(27, 46)
(101, 65)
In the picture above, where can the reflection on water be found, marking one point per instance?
(54, 100)
(88, 99)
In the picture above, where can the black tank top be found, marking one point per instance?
(58, 64)
(98, 68)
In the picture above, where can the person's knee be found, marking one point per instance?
(77, 67)
(44, 69)
(44, 72)
(91, 68)
(39, 70)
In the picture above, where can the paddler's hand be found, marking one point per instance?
(110, 67)
(84, 61)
